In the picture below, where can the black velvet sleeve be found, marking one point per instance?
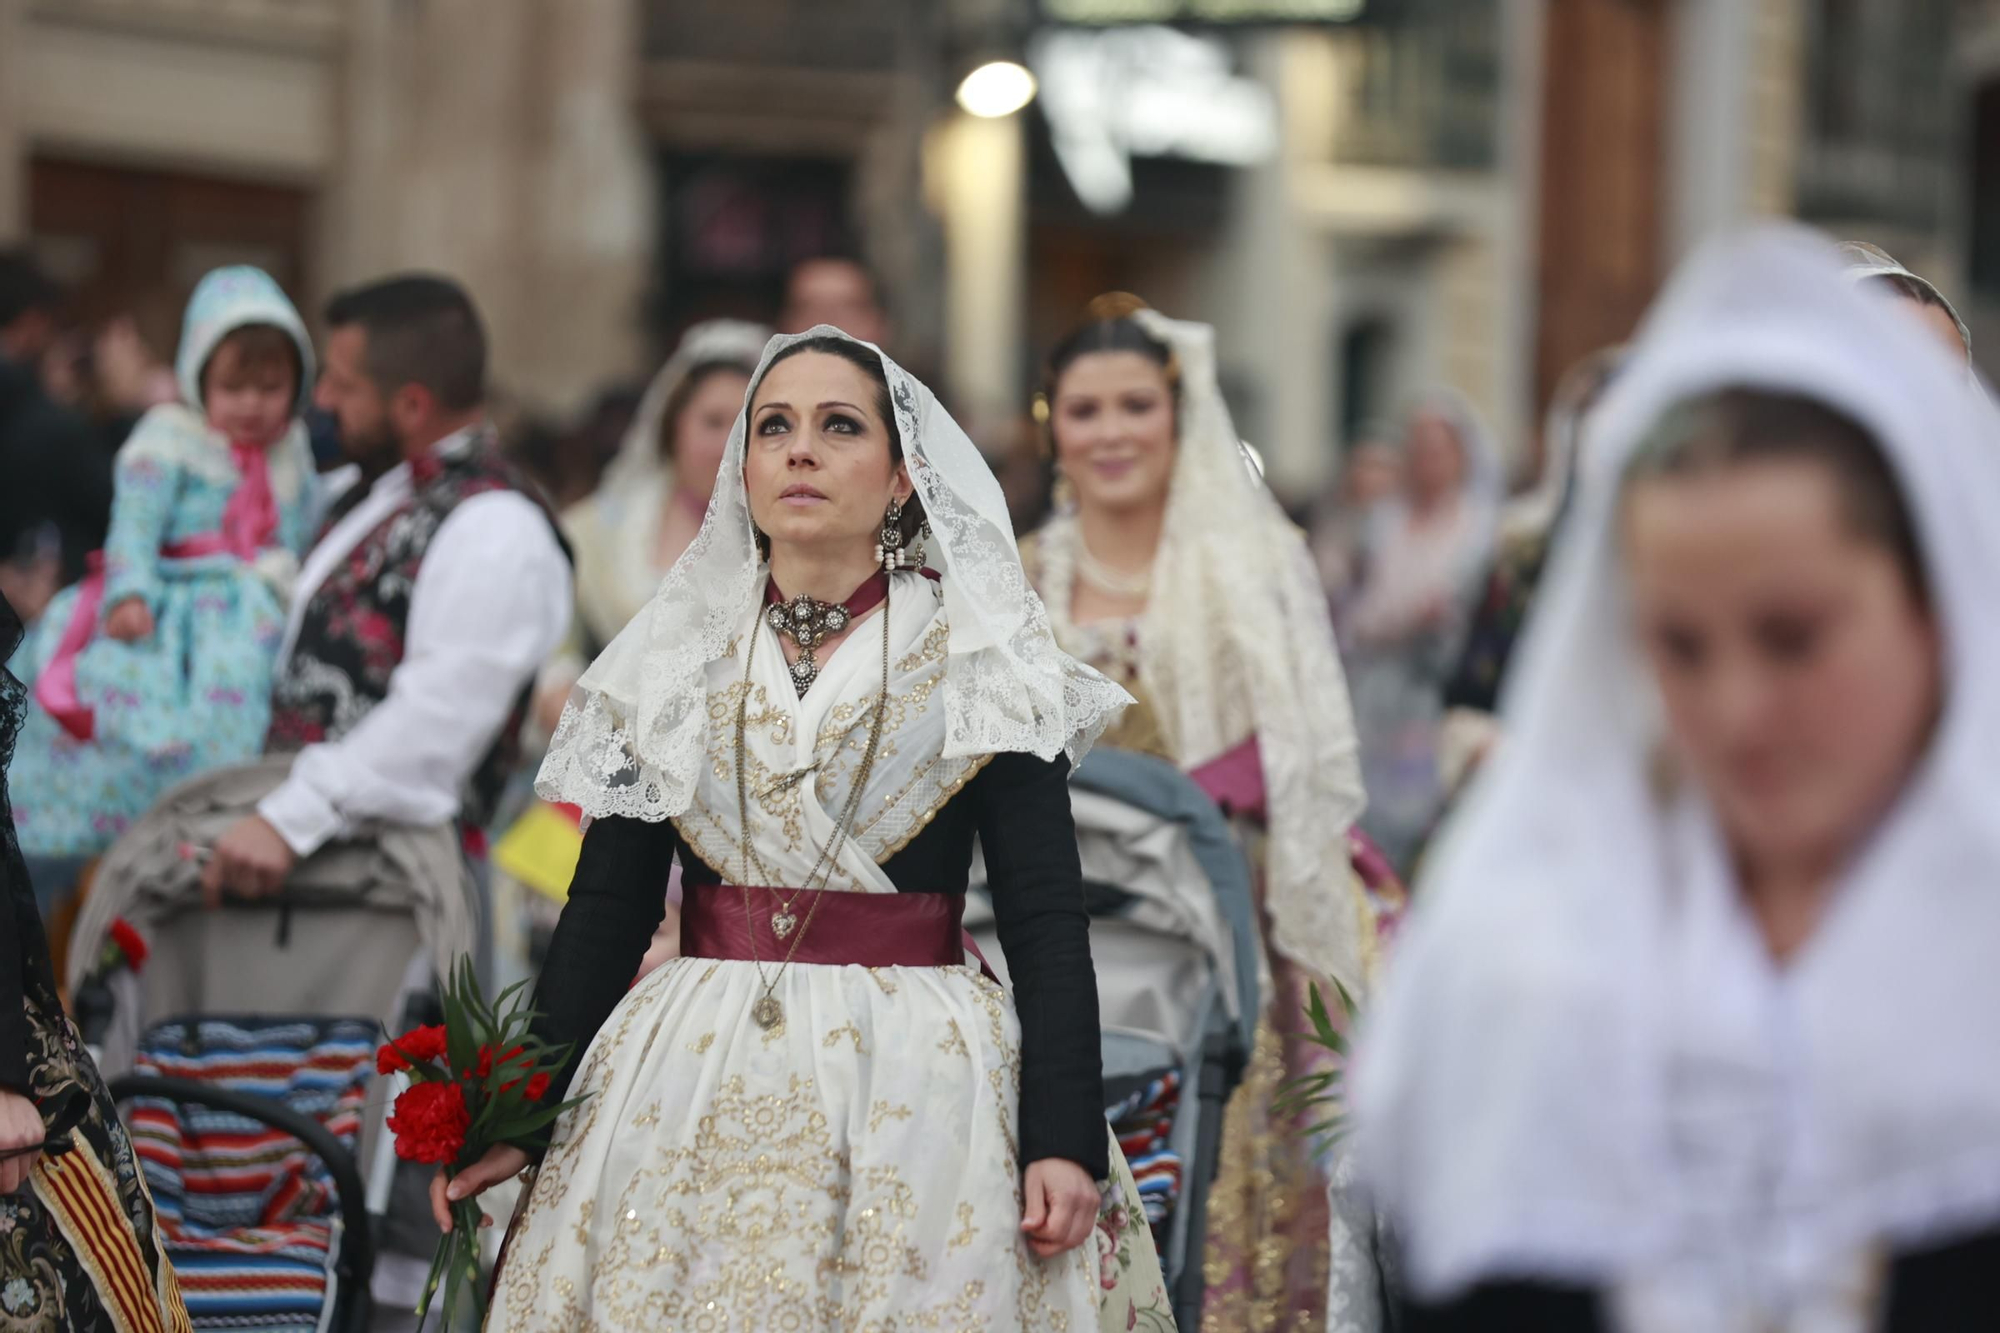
(1029, 840)
(13, 985)
(1510, 1307)
(1948, 1288)
(616, 901)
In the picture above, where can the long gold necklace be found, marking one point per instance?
(767, 1011)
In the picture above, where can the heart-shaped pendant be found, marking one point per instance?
(782, 923)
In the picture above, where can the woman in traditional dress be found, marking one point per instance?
(1370, 475)
(626, 534)
(823, 1115)
(1403, 628)
(1692, 1030)
(78, 1247)
(1174, 571)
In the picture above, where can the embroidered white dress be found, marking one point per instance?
(857, 1166)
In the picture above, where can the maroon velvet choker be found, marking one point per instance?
(809, 622)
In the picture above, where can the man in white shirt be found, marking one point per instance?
(437, 589)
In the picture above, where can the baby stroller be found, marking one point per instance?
(240, 1044)
(1173, 935)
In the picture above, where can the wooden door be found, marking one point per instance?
(1603, 177)
(133, 240)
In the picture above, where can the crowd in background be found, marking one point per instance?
(159, 506)
(1402, 540)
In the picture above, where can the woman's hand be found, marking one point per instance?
(20, 1126)
(130, 621)
(1060, 1209)
(498, 1164)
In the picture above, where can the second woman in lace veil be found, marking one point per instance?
(1174, 571)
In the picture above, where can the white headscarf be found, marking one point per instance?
(633, 736)
(642, 455)
(1512, 1091)
(614, 530)
(1238, 622)
(1864, 262)
(1482, 487)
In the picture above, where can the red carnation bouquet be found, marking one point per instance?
(479, 1079)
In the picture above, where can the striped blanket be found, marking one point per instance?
(1143, 1121)
(248, 1215)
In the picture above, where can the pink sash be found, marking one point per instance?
(249, 522)
(1234, 780)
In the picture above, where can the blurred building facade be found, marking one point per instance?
(143, 141)
(1467, 192)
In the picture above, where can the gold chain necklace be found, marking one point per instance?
(767, 1011)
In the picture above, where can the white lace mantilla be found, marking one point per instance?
(635, 738)
(1238, 642)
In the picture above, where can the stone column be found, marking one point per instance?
(499, 144)
(977, 178)
(1708, 151)
(13, 144)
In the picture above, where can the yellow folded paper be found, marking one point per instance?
(541, 849)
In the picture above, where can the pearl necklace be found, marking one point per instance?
(1105, 579)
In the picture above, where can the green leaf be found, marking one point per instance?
(460, 1048)
(475, 1001)
(440, 1260)
(1331, 1127)
(506, 1003)
(528, 1124)
(473, 996)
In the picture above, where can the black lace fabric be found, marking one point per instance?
(24, 954)
(45, 1282)
(13, 701)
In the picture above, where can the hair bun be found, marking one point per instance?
(1112, 305)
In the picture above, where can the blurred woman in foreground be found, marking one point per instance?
(1693, 1029)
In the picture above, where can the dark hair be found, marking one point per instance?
(24, 287)
(422, 330)
(1107, 326)
(683, 393)
(858, 355)
(258, 345)
(1924, 294)
(1738, 425)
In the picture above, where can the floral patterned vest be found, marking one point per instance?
(351, 637)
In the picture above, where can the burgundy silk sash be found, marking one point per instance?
(849, 929)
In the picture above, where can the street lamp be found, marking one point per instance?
(996, 89)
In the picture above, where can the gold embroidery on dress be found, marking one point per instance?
(846, 1029)
(700, 1045)
(966, 1231)
(954, 1041)
(882, 1112)
(1266, 1190)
